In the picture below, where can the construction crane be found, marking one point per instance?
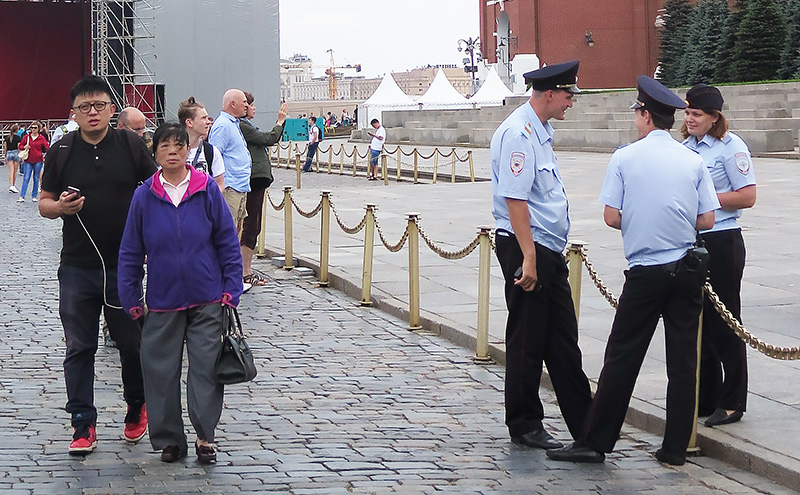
(331, 73)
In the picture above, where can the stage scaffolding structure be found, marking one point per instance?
(121, 31)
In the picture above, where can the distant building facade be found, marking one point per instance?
(615, 41)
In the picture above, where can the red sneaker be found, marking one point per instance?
(84, 441)
(135, 423)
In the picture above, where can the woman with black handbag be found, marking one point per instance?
(180, 221)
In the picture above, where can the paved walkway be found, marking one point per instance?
(347, 401)
(450, 213)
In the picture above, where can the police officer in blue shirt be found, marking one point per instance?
(531, 211)
(705, 130)
(659, 194)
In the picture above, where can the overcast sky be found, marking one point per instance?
(381, 35)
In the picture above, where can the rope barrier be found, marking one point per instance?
(307, 214)
(605, 291)
(393, 248)
(450, 255)
(348, 230)
(278, 207)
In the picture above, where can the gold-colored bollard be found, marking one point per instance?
(485, 251)
(369, 241)
(341, 159)
(330, 157)
(416, 163)
(413, 271)
(325, 235)
(296, 152)
(297, 168)
(453, 173)
(355, 157)
(575, 264)
(287, 227)
(435, 164)
(260, 253)
(384, 170)
(399, 162)
(471, 167)
(316, 160)
(693, 449)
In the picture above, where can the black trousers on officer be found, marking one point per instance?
(541, 328)
(649, 293)
(722, 351)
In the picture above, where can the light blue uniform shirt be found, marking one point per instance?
(525, 168)
(728, 160)
(226, 136)
(661, 187)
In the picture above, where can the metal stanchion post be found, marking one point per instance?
(482, 345)
(324, 243)
(413, 272)
(693, 449)
(369, 241)
(341, 159)
(471, 167)
(453, 172)
(384, 171)
(416, 164)
(287, 227)
(330, 157)
(399, 162)
(575, 264)
(316, 160)
(435, 164)
(355, 157)
(297, 168)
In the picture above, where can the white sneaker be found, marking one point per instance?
(13, 189)
(20, 199)
(34, 199)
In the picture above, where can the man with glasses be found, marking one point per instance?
(132, 119)
(89, 179)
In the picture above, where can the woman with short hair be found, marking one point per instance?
(37, 146)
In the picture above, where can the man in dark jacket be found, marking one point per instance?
(260, 179)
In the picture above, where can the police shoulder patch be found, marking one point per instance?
(517, 162)
(742, 162)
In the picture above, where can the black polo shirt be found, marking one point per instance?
(107, 175)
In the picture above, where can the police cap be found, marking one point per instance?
(704, 97)
(557, 76)
(655, 97)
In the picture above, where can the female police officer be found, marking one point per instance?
(727, 158)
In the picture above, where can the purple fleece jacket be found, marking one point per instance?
(193, 254)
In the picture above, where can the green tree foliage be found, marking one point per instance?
(759, 42)
(725, 63)
(673, 40)
(790, 56)
(705, 41)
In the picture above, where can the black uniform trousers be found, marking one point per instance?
(722, 351)
(541, 328)
(649, 292)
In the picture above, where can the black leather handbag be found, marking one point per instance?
(235, 362)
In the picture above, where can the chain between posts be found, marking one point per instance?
(308, 214)
(769, 350)
(277, 207)
(348, 230)
(450, 255)
(393, 248)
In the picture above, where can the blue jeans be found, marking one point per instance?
(27, 170)
(312, 150)
(80, 300)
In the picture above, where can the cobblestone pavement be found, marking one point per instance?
(347, 401)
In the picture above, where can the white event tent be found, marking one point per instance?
(442, 95)
(387, 96)
(492, 92)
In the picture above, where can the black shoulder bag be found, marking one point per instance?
(235, 362)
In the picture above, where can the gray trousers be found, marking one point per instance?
(162, 357)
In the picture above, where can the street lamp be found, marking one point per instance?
(471, 45)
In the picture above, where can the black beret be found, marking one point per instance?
(704, 97)
(558, 76)
(655, 97)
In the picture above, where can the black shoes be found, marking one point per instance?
(671, 459)
(205, 453)
(721, 417)
(172, 453)
(576, 453)
(538, 439)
